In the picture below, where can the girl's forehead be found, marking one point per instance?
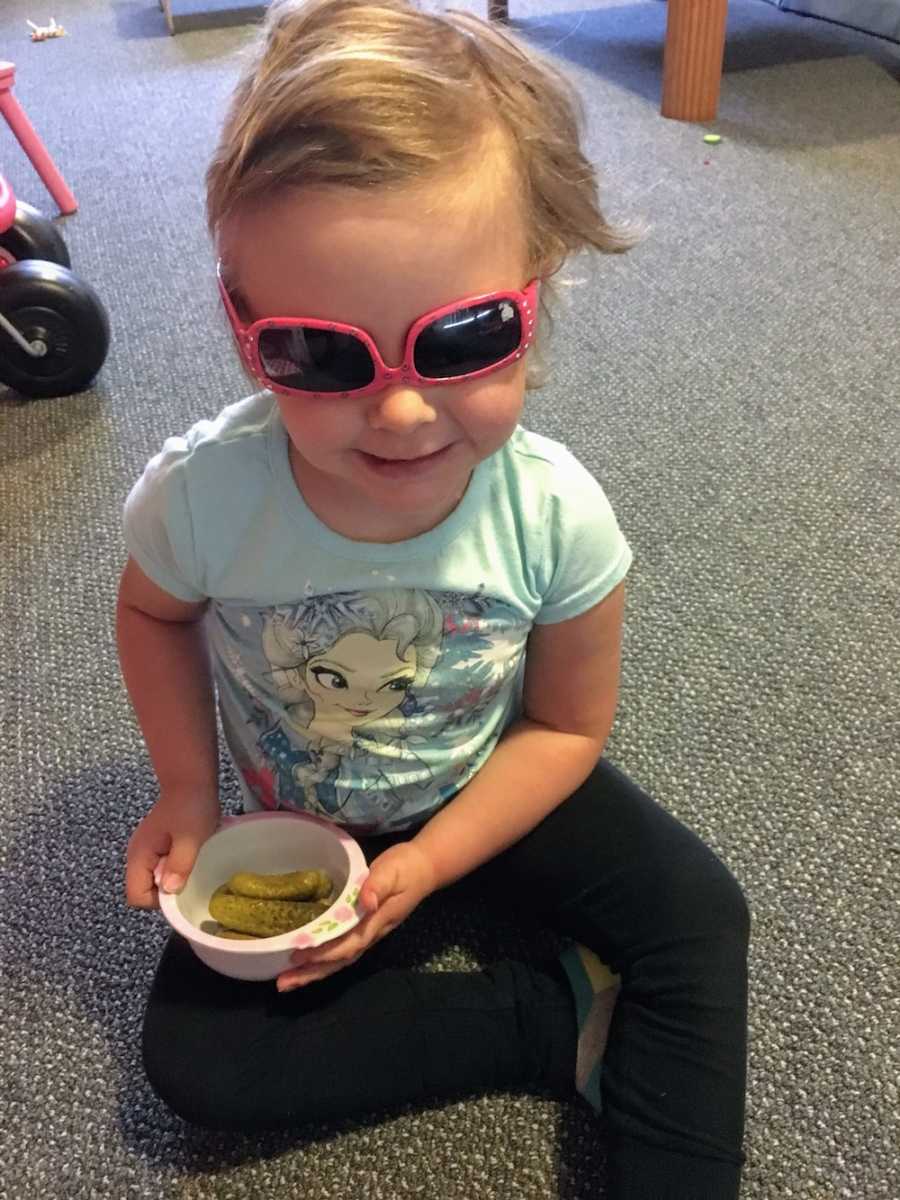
(347, 254)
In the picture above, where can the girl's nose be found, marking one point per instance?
(400, 409)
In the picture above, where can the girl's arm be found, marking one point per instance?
(571, 689)
(165, 665)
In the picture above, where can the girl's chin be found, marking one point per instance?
(417, 495)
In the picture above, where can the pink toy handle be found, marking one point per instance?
(31, 143)
(7, 205)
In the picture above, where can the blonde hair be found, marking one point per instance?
(362, 94)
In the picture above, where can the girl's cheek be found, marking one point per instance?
(492, 420)
(495, 401)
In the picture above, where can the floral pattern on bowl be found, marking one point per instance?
(347, 913)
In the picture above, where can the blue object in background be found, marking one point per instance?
(881, 17)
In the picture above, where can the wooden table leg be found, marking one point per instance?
(692, 64)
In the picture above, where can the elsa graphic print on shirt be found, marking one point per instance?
(366, 707)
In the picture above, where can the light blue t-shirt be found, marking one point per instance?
(367, 682)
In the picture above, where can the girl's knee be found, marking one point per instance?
(181, 1088)
(192, 1078)
(721, 898)
(714, 907)
(694, 940)
(223, 1077)
(695, 899)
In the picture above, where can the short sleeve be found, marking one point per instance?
(587, 554)
(158, 527)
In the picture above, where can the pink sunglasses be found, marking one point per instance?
(303, 356)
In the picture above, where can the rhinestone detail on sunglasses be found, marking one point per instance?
(248, 342)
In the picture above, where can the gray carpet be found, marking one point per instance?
(735, 384)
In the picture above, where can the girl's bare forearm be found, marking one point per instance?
(532, 770)
(166, 668)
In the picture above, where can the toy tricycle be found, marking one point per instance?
(54, 331)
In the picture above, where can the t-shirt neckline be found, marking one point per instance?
(299, 511)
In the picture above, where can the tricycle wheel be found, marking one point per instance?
(32, 235)
(61, 316)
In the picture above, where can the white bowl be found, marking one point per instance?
(268, 843)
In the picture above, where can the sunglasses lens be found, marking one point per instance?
(315, 360)
(469, 339)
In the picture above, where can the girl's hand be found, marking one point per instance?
(171, 834)
(399, 879)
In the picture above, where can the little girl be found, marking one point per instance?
(409, 609)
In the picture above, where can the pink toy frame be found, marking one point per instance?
(15, 116)
(7, 206)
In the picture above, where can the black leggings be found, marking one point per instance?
(613, 871)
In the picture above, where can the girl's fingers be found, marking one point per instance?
(140, 880)
(140, 890)
(345, 950)
(350, 946)
(299, 977)
(317, 962)
(295, 979)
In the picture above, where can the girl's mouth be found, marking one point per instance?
(405, 468)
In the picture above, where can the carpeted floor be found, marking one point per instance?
(734, 382)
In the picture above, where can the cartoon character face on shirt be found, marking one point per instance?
(345, 660)
(359, 679)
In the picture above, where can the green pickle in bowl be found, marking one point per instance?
(296, 885)
(250, 905)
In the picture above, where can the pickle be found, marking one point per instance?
(264, 918)
(236, 935)
(296, 885)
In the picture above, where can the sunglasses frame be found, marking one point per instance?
(247, 338)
